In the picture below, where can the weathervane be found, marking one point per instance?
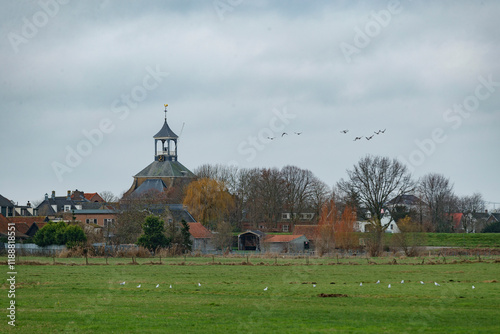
(166, 105)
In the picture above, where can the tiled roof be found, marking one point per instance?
(283, 238)
(28, 220)
(198, 231)
(89, 196)
(4, 228)
(165, 169)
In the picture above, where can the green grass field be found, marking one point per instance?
(75, 298)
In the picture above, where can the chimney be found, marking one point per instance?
(486, 211)
(28, 204)
(46, 196)
(53, 194)
(69, 195)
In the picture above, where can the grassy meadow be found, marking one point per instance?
(72, 297)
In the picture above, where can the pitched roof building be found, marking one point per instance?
(165, 173)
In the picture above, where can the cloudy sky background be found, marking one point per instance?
(233, 66)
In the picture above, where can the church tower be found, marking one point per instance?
(165, 173)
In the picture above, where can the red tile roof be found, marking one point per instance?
(4, 228)
(282, 238)
(198, 231)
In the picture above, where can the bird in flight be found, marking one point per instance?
(284, 133)
(382, 131)
(368, 138)
(298, 133)
(344, 131)
(272, 138)
(357, 138)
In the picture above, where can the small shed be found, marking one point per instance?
(201, 238)
(287, 243)
(250, 240)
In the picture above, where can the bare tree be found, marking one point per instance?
(108, 196)
(298, 189)
(372, 183)
(437, 193)
(469, 206)
(223, 237)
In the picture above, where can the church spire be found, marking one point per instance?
(168, 139)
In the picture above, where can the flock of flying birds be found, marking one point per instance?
(314, 285)
(343, 131)
(367, 138)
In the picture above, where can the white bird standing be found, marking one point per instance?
(199, 284)
(139, 286)
(122, 283)
(389, 286)
(378, 282)
(402, 282)
(421, 282)
(436, 284)
(314, 285)
(170, 286)
(265, 289)
(157, 285)
(360, 284)
(473, 287)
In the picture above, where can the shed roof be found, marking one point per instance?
(283, 238)
(198, 231)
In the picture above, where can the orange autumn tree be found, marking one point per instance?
(208, 201)
(345, 238)
(325, 233)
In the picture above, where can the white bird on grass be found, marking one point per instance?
(265, 289)
(422, 282)
(402, 282)
(122, 283)
(139, 286)
(360, 284)
(157, 285)
(473, 287)
(170, 286)
(389, 286)
(436, 284)
(378, 282)
(314, 285)
(199, 284)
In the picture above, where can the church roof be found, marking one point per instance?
(150, 184)
(165, 132)
(165, 169)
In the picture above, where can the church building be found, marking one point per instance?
(165, 173)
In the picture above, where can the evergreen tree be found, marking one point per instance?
(154, 234)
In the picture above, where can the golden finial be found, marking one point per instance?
(166, 105)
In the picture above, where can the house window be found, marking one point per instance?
(67, 208)
(91, 221)
(285, 216)
(108, 222)
(392, 227)
(285, 228)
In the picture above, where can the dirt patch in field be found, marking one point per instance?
(492, 281)
(332, 295)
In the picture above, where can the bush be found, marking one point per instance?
(59, 234)
(492, 228)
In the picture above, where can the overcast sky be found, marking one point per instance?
(83, 84)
